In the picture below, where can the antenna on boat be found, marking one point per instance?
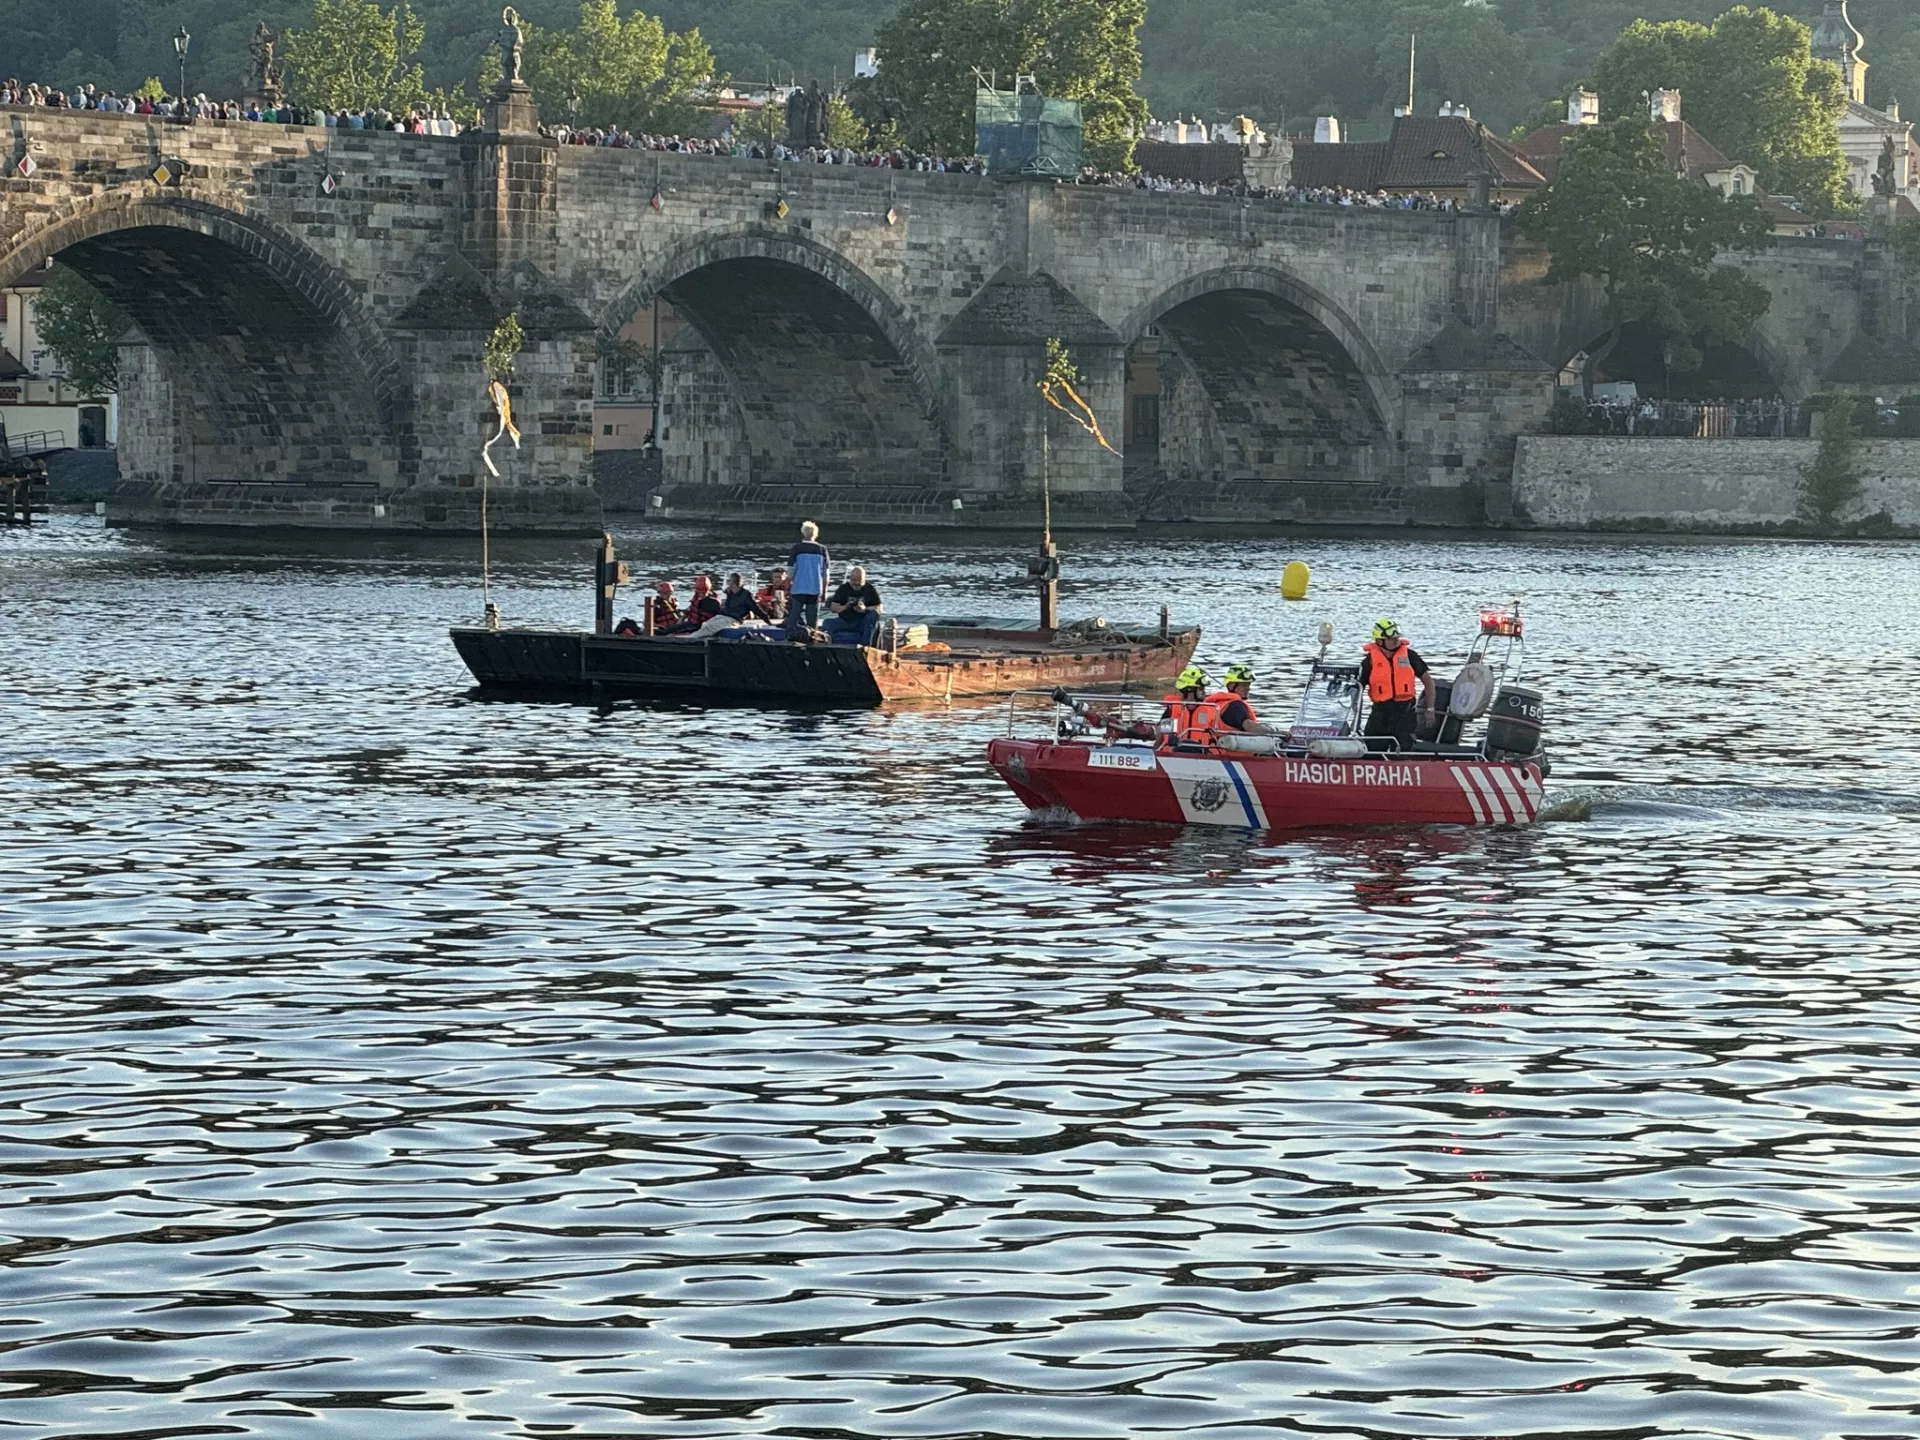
(502, 346)
(1057, 379)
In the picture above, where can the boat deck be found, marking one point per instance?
(993, 658)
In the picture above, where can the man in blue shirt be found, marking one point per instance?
(810, 565)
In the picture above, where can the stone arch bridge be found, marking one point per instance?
(311, 307)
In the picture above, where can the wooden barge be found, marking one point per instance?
(965, 656)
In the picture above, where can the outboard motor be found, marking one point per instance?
(1515, 724)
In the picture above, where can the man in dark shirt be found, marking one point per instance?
(856, 610)
(1236, 707)
(1389, 671)
(738, 603)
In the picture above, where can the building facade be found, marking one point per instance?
(626, 414)
(35, 398)
(1866, 131)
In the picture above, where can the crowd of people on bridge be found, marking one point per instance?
(899, 158)
(198, 107)
(1285, 195)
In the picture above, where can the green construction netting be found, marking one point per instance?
(1027, 132)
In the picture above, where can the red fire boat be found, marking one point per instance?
(1113, 758)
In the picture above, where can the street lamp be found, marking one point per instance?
(180, 44)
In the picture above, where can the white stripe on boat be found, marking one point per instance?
(1496, 808)
(1479, 811)
(1522, 812)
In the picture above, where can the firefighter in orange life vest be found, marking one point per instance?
(1390, 672)
(1189, 717)
(1235, 713)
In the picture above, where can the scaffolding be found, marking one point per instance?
(1022, 132)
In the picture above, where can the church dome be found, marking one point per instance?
(1834, 37)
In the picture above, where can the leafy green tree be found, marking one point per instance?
(1750, 84)
(763, 125)
(82, 328)
(1617, 213)
(633, 73)
(1906, 243)
(151, 89)
(1084, 50)
(843, 126)
(506, 341)
(357, 57)
(1832, 481)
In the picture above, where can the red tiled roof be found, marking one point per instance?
(1206, 164)
(1441, 152)
(1783, 213)
(1688, 151)
(1446, 151)
(1351, 167)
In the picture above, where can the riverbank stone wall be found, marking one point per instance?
(1704, 486)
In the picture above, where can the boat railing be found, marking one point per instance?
(1071, 715)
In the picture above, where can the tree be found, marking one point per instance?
(765, 124)
(82, 328)
(1906, 244)
(1617, 213)
(632, 73)
(1084, 50)
(1750, 84)
(844, 128)
(357, 57)
(502, 346)
(1832, 481)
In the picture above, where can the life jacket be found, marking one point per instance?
(1390, 677)
(1195, 722)
(1220, 699)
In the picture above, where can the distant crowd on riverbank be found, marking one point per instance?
(1691, 419)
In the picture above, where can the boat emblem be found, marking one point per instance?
(1017, 765)
(1208, 795)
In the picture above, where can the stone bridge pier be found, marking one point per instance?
(310, 308)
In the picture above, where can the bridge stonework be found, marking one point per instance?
(311, 307)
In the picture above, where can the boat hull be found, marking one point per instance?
(571, 664)
(1137, 783)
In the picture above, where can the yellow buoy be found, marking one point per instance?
(1293, 580)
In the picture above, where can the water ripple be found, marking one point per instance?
(377, 1060)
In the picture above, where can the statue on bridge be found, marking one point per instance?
(807, 118)
(268, 67)
(1886, 183)
(512, 48)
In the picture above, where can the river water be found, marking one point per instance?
(378, 1062)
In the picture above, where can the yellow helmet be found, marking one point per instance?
(1191, 678)
(1384, 629)
(1238, 675)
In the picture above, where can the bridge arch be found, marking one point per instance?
(277, 375)
(1263, 377)
(799, 359)
(1750, 369)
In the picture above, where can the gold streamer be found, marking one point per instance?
(1083, 417)
(1060, 374)
(503, 408)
